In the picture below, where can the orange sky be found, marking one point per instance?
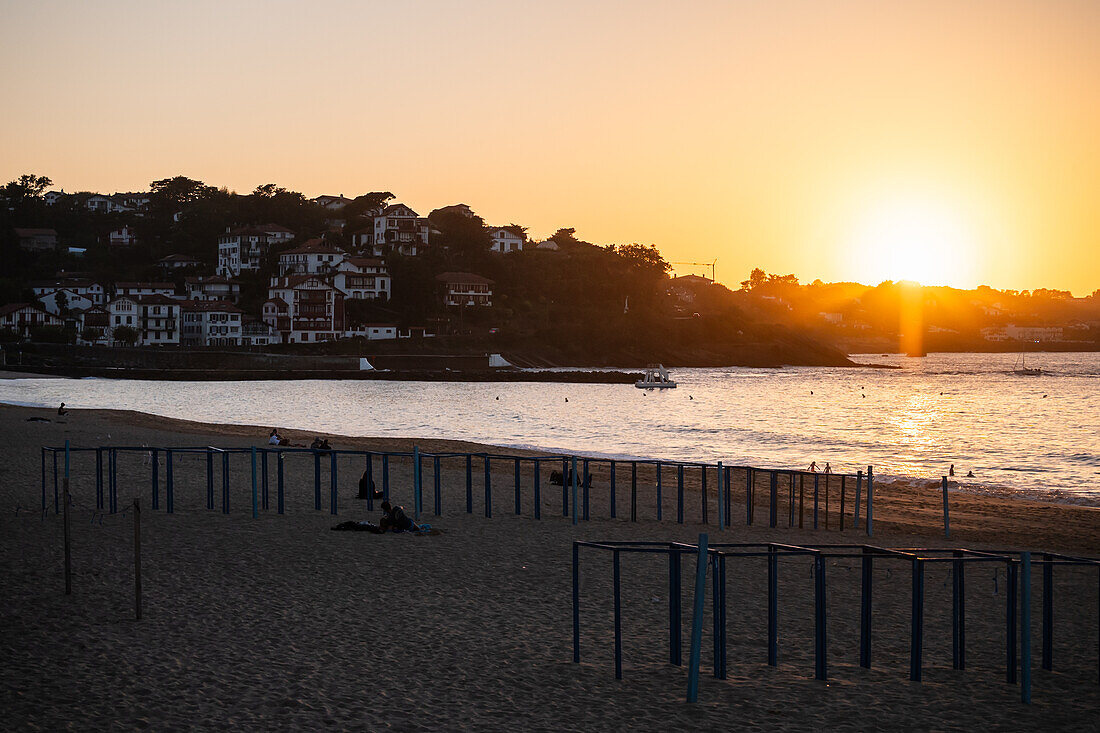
(950, 142)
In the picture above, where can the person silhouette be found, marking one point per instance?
(951, 471)
(813, 466)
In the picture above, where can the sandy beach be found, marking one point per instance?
(280, 623)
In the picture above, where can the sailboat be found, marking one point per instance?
(656, 377)
(1021, 368)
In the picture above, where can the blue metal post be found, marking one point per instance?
(488, 488)
(386, 476)
(675, 632)
(98, 478)
(573, 473)
(469, 484)
(1025, 627)
(316, 481)
(958, 619)
(156, 479)
(859, 490)
(112, 480)
(44, 477)
(916, 626)
(1011, 608)
(255, 496)
(697, 621)
(729, 497)
(618, 616)
(820, 647)
(721, 508)
(773, 607)
(169, 483)
(565, 486)
(817, 478)
(264, 484)
(518, 506)
(870, 501)
(773, 508)
(437, 485)
(538, 490)
(703, 493)
(370, 481)
(680, 493)
(280, 488)
(333, 484)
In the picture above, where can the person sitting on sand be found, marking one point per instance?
(316, 444)
(274, 438)
(61, 410)
(395, 519)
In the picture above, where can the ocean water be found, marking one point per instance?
(1032, 436)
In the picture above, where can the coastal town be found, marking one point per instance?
(187, 265)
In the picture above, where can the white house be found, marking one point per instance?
(214, 287)
(310, 258)
(276, 233)
(466, 289)
(129, 289)
(101, 204)
(255, 332)
(123, 311)
(178, 262)
(398, 228)
(211, 323)
(21, 317)
(52, 197)
(242, 249)
(54, 301)
(160, 320)
(332, 203)
(1013, 332)
(94, 326)
(124, 237)
(374, 331)
(81, 286)
(305, 308)
(363, 278)
(506, 240)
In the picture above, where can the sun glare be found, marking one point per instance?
(913, 238)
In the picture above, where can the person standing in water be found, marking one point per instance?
(813, 466)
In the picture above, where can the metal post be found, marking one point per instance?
(801, 499)
(66, 501)
(255, 503)
(870, 501)
(137, 559)
(586, 482)
(680, 493)
(416, 483)
(279, 478)
(660, 499)
(618, 617)
(867, 573)
(843, 488)
(790, 499)
(112, 480)
(209, 476)
(697, 621)
(98, 478)
(565, 486)
(817, 478)
(633, 491)
(773, 607)
(916, 628)
(155, 469)
(826, 502)
(721, 508)
(264, 489)
(956, 578)
(729, 497)
(316, 481)
(333, 484)
(225, 482)
(56, 491)
(773, 509)
(370, 481)
(703, 493)
(488, 487)
(859, 490)
(1025, 627)
(386, 476)
(44, 478)
(946, 516)
(820, 646)
(573, 473)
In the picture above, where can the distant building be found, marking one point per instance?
(548, 245)
(506, 240)
(211, 323)
(123, 237)
(466, 289)
(94, 326)
(36, 240)
(374, 331)
(460, 209)
(213, 288)
(242, 249)
(135, 289)
(65, 299)
(363, 278)
(1012, 332)
(397, 229)
(276, 233)
(312, 258)
(834, 318)
(332, 203)
(305, 308)
(255, 332)
(79, 285)
(175, 262)
(160, 320)
(52, 197)
(21, 317)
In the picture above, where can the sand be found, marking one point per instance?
(280, 623)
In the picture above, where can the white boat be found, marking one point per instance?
(1021, 368)
(656, 377)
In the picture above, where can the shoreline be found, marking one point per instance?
(913, 507)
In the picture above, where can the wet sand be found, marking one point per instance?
(280, 623)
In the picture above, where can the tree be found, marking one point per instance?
(27, 186)
(125, 335)
(756, 278)
(179, 190)
(62, 301)
(645, 257)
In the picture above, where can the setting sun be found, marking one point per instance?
(912, 237)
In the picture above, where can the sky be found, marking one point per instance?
(950, 142)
